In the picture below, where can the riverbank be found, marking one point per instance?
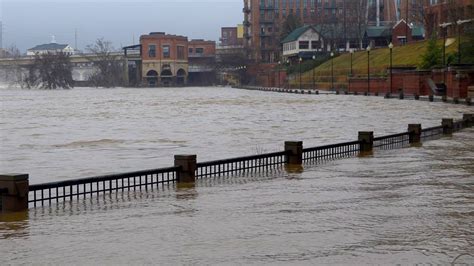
(400, 96)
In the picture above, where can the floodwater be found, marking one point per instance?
(405, 206)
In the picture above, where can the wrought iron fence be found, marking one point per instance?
(75, 189)
(458, 125)
(431, 133)
(331, 152)
(2, 191)
(253, 163)
(394, 141)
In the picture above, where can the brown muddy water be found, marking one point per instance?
(405, 206)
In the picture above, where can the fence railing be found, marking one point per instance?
(331, 152)
(20, 195)
(432, 133)
(241, 164)
(394, 141)
(75, 189)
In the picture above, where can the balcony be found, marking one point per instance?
(247, 23)
(246, 10)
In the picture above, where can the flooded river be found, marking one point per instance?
(404, 206)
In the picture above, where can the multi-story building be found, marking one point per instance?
(232, 36)
(202, 58)
(164, 59)
(447, 12)
(341, 22)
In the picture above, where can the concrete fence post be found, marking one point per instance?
(468, 119)
(367, 139)
(187, 173)
(14, 192)
(415, 133)
(468, 101)
(448, 126)
(295, 152)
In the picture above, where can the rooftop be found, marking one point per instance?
(294, 35)
(49, 46)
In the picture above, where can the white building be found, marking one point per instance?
(304, 40)
(52, 47)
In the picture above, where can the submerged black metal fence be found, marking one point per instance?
(241, 164)
(394, 141)
(75, 189)
(432, 133)
(186, 168)
(331, 152)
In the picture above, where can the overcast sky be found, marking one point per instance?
(27, 23)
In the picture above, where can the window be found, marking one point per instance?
(166, 51)
(180, 52)
(304, 45)
(190, 50)
(315, 45)
(199, 50)
(152, 50)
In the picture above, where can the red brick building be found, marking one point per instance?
(447, 11)
(164, 59)
(229, 37)
(202, 58)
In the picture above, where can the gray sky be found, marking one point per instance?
(27, 23)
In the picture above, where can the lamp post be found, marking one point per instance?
(314, 58)
(279, 70)
(368, 69)
(332, 70)
(390, 46)
(352, 54)
(300, 60)
(287, 79)
(444, 26)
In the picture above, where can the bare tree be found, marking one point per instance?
(110, 68)
(49, 71)
(13, 73)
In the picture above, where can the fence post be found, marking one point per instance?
(295, 150)
(14, 192)
(187, 173)
(415, 133)
(448, 126)
(468, 119)
(367, 141)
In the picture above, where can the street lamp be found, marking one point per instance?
(314, 58)
(332, 71)
(287, 79)
(445, 26)
(390, 46)
(300, 60)
(368, 69)
(279, 69)
(352, 54)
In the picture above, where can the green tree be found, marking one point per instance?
(433, 55)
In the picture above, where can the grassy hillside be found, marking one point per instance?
(409, 55)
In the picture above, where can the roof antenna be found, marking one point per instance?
(53, 39)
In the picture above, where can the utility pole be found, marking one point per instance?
(406, 28)
(377, 6)
(75, 39)
(1, 34)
